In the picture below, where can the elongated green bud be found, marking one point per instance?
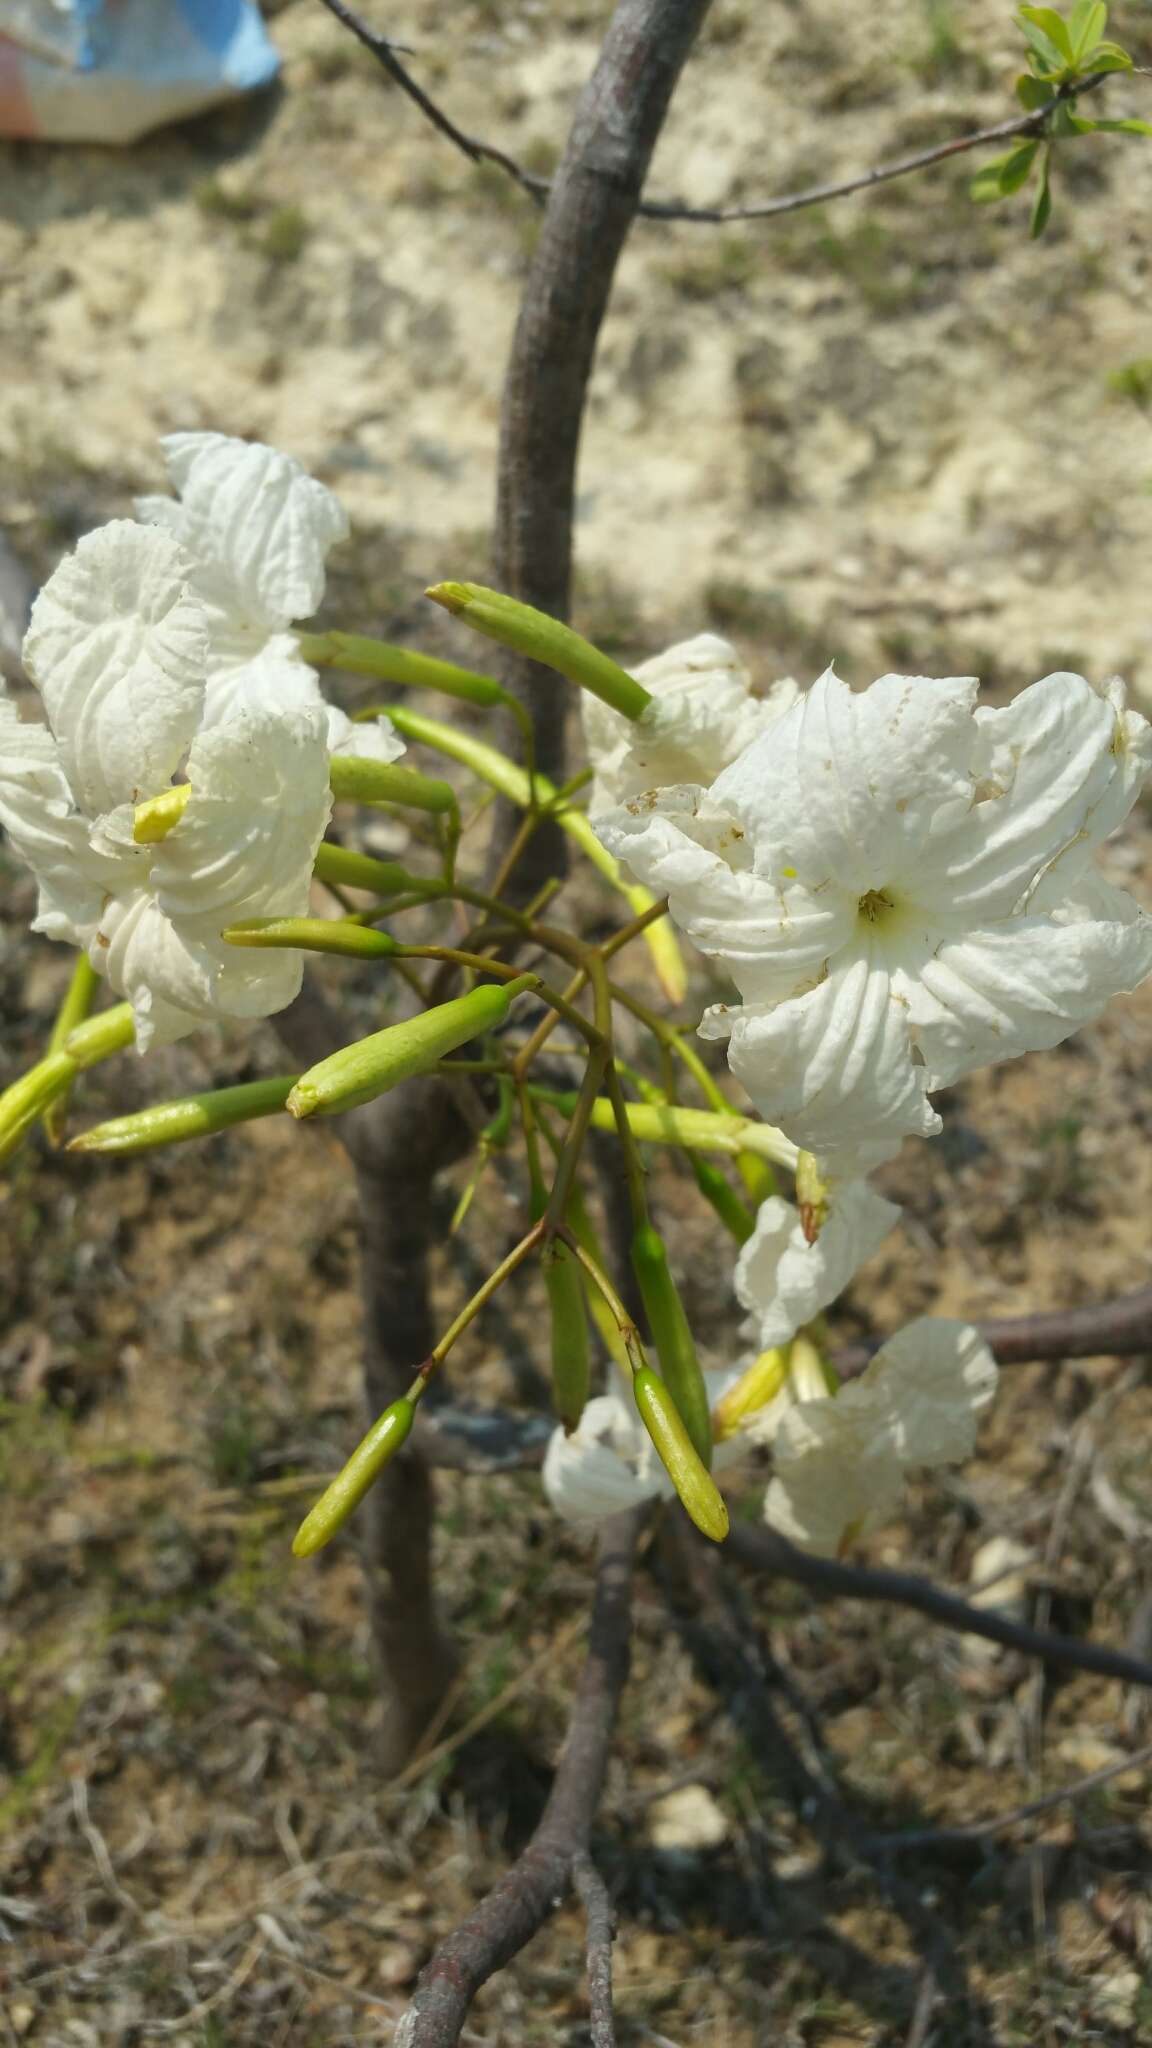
(584, 1231)
(383, 782)
(693, 1482)
(99, 1037)
(671, 1337)
(347, 1490)
(44, 1084)
(313, 935)
(78, 1000)
(751, 1392)
(721, 1196)
(543, 639)
(511, 781)
(31, 1097)
(359, 1072)
(666, 1123)
(190, 1116)
(570, 1362)
(359, 871)
(362, 656)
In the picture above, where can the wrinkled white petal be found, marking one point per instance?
(832, 1067)
(117, 647)
(167, 979)
(933, 1379)
(771, 935)
(247, 840)
(847, 788)
(835, 1472)
(47, 831)
(1021, 986)
(1050, 779)
(273, 678)
(258, 516)
(840, 1462)
(702, 716)
(784, 1282)
(373, 739)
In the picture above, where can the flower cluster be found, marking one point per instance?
(161, 650)
(839, 1457)
(899, 883)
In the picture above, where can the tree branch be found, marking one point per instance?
(766, 1550)
(591, 207)
(539, 189)
(1098, 1329)
(521, 1901)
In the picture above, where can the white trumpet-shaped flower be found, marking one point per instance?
(841, 1462)
(257, 530)
(118, 647)
(702, 715)
(898, 881)
(609, 1462)
(784, 1281)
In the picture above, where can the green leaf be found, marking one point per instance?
(1042, 210)
(985, 188)
(1004, 175)
(1033, 93)
(1109, 57)
(1017, 168)
(1052, 26)
(1086, 25)
(1123, 127)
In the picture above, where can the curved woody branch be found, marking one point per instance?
(557, 1855)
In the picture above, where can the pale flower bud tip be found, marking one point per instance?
(453, 596)
(302, 1102)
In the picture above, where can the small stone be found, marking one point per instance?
(688, 1818)
(1114, 1999)
(399, 1965)
(999, 1581)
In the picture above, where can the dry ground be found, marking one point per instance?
(885, 433)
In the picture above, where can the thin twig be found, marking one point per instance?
(767, 1550)
(601, 1929)
(539, 188)
(980, 1830)
(522, 1899)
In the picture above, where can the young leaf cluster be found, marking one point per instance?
(1067, 56)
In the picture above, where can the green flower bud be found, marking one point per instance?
(544, 639)
(719, 1193)
(313, 935)
(694, 1484)
(190, 1116)
(359, 1072)
(364, 657)
(382, 782)
(347, 1490)
(570, 1360)
(360, 871)
(672, 1337)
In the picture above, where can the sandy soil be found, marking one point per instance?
(884, 434)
